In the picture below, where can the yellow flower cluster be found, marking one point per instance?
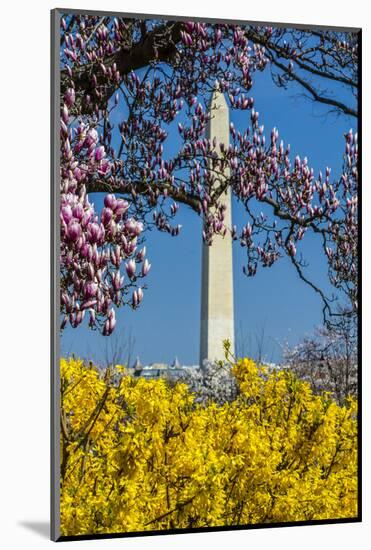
(140, 455)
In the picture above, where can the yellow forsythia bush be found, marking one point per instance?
(140, 455)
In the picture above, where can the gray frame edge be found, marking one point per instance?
(54, 274)
(203, 19)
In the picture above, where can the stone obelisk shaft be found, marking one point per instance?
(217, 312)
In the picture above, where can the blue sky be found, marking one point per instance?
(168, 322)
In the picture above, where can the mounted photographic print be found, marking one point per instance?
(205, 269)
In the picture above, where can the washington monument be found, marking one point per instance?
(217, 312)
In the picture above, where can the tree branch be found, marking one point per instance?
(315, 95)
(159, 45)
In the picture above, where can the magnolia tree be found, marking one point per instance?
(328, 360)
(126, 86)
(213, 382)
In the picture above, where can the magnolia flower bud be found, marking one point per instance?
(111, 321)
(106, 331)
(88, 304)
(65, 114)
(291, 249)
(120, 207)
(91, 137)
(66, 212)
(117, 280)
(329, 252)
(130, 268)
(106, 215)
(99, 153)
(145, 267)
(79, 317)
(78, 211)
(93, 232)
(69, 97)
(141, 254)
(90, 289)
(110, 201)
(73, 230)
